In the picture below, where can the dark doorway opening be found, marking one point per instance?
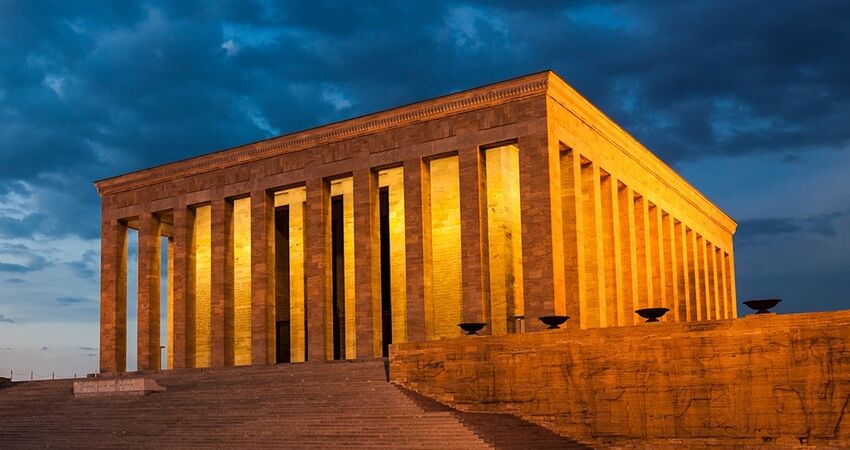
(338, 275)
(281, 242)
(386, 294)
(282, 339)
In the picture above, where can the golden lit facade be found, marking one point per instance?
(499, 205)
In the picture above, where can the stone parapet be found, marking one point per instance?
(778, 380)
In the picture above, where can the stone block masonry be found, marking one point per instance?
(498, 204)
(781, 381)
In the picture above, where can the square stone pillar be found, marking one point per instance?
(221, 333)
(367, 264)
(671, 257)
(262, 278)
(573, 230)
(628, 242)
(182, 346)
(730, 274)
(594, 307)
(645, 263)
(694, 278)
(150, 267)
(681, 238)
(542, 228)
(614, 286)
(113, 296)
(473, 229)
(417, 246)
(317, 268)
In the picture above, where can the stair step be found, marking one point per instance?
(304, 405)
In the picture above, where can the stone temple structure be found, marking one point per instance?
(498, 204)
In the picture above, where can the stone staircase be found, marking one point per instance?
(307, 406)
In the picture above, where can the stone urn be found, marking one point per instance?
(472, 328)
(553, 322)
(762, 306)
(652, 314)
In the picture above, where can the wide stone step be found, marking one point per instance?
(308, 405)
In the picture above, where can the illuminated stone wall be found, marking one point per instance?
(242, 281)
(169, 321)
(504, 237)
(294, 198)
(762, 381)
(203, 284)
(345, 188)
(444, 311)
(393, 179)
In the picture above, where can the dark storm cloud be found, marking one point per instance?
(755, 230)
(92, 89)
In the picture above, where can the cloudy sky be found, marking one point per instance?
(748, 100)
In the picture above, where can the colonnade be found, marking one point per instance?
(338, 267)
(625, 252)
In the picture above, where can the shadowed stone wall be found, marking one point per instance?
(773, 379)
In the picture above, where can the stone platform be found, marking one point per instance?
(776, 381)
(116, 386)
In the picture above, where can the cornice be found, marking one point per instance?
(460, 102)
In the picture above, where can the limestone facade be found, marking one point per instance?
(498, 204)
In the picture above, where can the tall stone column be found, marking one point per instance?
(417, 240)
(628, 237)
(724, 284)
(113, 297)
(593, 314)
(644, 253)
(615, 306)
(730, 274)
(695, 280)
(150, 255)
(262, 278)
(671, 266)
(573, 230)
(473, 229)
(367, 264)
(222, 332)
(317, 266)
(704, 291)
(169, 286)
(716, 283)
(542, 228)
(182, 346)
(659, 274)
(686, 313)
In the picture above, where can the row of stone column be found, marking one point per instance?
(628, 253)
(182, 349)
(591, 248)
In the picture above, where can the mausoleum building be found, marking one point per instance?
(499, 204)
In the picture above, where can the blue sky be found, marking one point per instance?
(748, 100)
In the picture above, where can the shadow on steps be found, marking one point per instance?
(502, 431)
